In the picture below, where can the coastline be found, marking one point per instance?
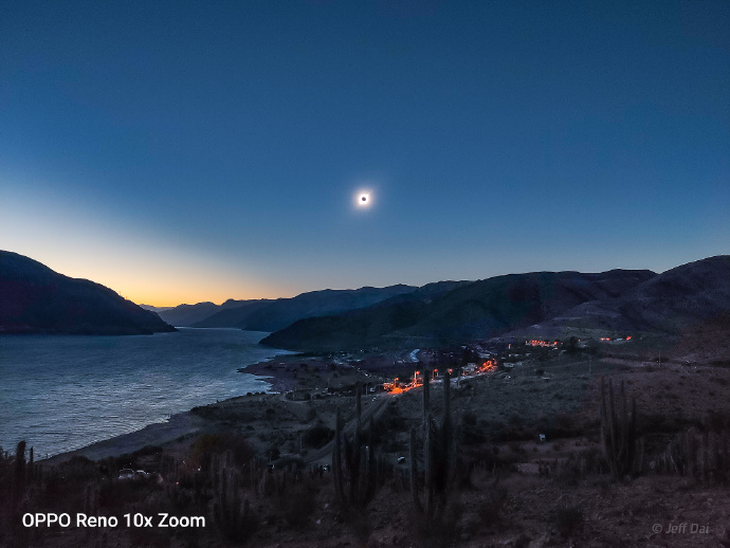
(278, 372)
(180, 425)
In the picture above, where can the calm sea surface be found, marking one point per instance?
(61, 393)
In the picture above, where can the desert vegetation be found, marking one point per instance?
(554, 448)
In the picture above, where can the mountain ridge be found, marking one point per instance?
(36, 299)
(519, 304)
(272, 315)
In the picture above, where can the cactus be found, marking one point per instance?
(19, 475)
(426, 392)
(233, 517)
(618, 432)
(20, 463)
(353, 464)
(439, 461)
(702, 455)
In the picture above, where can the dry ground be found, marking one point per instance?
(513, 490)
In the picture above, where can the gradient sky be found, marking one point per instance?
(186, 151)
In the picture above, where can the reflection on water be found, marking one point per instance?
(64, 392)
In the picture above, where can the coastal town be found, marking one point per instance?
(525, 417)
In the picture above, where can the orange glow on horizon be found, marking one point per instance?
(165, 296)
(163, 285)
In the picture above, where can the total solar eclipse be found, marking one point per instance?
(363, 199)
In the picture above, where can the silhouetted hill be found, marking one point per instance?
(186, 315)
(668, 303)
(377, 325)
(279, 313)
(539, 303)
(35, 299)
(471, 310)
(234, 316)
(155, 309)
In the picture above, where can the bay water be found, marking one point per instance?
(60, 393)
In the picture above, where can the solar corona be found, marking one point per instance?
(363, 199)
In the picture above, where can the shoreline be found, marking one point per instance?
(277, 372)
(289, 376)
(157, 434)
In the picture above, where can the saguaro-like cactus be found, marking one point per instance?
(353, 464)
(439, 460)
(232, 516)
(19, 475)
(618, 431)
(426, 392)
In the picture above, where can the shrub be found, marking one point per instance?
(318, 436)
(469, 418)
(296, 507)
(568, 519)
(490, 509)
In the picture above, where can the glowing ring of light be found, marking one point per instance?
(363, 198)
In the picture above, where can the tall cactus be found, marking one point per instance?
(439, 460)
(20, 465)
(233, 517)
(618, 431)
(353, 464)
(19, 475)
(426, 392)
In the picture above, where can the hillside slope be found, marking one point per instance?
(668, 303)
(187, 315)
(35, 299)
(471, 310)
(280, 313)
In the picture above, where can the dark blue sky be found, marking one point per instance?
(184, 151)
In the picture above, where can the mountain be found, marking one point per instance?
(470, 310)
(667, 303)
(155, 309)
(538, 303)
(277, 314)
(35, 299)
(186, 315)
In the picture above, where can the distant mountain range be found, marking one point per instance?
(275, 314)
(272, 315)
(35, 299)
(186, 315)
(539, 304)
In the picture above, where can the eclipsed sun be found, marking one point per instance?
(363, 199)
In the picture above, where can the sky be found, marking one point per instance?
(187, 151)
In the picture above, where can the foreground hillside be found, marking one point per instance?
(35, 299)
(250, 472)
